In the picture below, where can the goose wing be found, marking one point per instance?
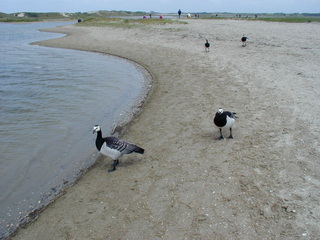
(230, 114)
(122, 146)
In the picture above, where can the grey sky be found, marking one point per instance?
(164, 6)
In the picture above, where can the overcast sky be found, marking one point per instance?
(164, 6)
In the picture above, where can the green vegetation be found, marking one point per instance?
(108, 18)
(30, 16)
(127, 23)
(275, 17)
(18, 20)
(290, 20)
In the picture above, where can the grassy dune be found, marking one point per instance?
(127, 23)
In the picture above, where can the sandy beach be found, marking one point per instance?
(263, 184)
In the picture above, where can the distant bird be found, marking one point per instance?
(224, 119)
(243, 40)
(207, 46)
(114, 147)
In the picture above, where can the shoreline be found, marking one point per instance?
(53, 193)
(188, 185)
(118, 129)
(139, 103)
(148, 76)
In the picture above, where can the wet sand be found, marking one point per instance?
(263, 184)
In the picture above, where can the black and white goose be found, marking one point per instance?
(207, 45)
(114, 147)
(244, 40)
(224, 119)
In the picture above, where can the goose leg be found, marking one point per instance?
(221, 137)
(231, 137)
(114, 164)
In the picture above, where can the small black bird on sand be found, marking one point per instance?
(114, 147)
(244, 40)
(207, 46)
(224, 119)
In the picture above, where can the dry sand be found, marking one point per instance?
(263, 184)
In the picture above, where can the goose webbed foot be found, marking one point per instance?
(112, 170)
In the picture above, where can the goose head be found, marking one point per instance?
(96, 128)
(220, 110)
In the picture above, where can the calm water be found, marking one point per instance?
(49, 101)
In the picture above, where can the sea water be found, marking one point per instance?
(49, 101)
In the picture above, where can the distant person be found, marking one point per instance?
(189, 15)
(179, 13)
(244, 40)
